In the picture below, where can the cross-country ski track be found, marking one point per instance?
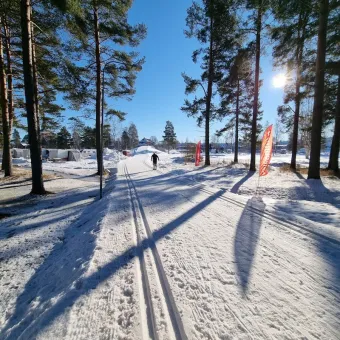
(145, 243)
(164, 257)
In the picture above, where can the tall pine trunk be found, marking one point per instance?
(209, 96)
(32, 119)
(298, 59)
(9, 77)
(333, 163)
(7, 157)
(256, 90)
(98, 86)
(35, 79)
(237, 120)
(314, 162)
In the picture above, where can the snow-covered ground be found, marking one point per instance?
(70, 264)
(315, 200)
(87, 165)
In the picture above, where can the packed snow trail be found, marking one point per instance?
(70, 267)
(145, 243)
(234, 274)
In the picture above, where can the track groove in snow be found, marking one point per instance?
(148, 242)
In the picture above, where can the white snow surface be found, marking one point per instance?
(87, 165)
(69, 270)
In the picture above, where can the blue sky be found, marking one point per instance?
(160, 87)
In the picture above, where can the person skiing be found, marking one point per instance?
(154, 159)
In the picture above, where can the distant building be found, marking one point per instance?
(145, 142)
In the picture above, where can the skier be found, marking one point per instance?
(154, 159)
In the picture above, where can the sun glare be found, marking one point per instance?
(279, 80)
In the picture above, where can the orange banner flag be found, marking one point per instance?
(266, 150)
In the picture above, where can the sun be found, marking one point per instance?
(279, 80)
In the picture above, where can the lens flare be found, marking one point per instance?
(279, 80)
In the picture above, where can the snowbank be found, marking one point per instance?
(145, 149)
(87, 164)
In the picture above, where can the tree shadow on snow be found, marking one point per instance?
(57, 275)
(246, 239)
(315, 190)
(61, 276)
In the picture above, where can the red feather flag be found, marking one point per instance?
(198, 154)
(266, 150)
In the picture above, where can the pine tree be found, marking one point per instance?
(16, 141)
(30, 95)
(105, 25)
(64, 138)
(48, 59)
(237, 93)
(133, 135)
(314, 161)
(211, 23)
(169, 137)
(125, 140)
(89, 138)
(333, 68)
(106, 135)
(8, 10)
(258, 8)
(7, 156)
(333, 163)
(291, 35)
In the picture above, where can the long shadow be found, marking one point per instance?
(246, 239)
(237, 186)
(63, 269)
(316, 191)
(16, 182)
(59, 272)
(330, 252)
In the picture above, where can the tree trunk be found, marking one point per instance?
(256, 90)
(333, 163)
(98, 86)
(237, 119)
(32, 119)
(9, 77)
(209, 95)
(314, 162)
(35, 79)
(298, 56)
(7, 157)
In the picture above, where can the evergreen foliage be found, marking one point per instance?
(125, 140)
(212, 24)
(88, 138)
(169, 137)
(133, 136)
(64, 139)
(103, 26)
(16, 141)
(291, 36)
(237, 92)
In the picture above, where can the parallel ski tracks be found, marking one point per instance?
(174, 315)
(264, 214)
